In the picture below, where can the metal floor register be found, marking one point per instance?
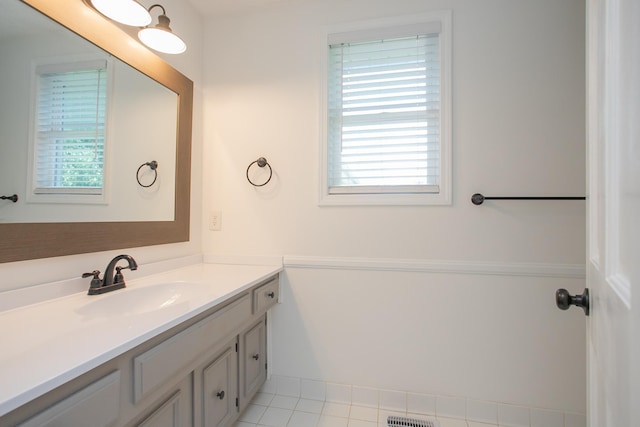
(393, 421)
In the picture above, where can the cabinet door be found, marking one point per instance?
(253, 360)
(220, 388)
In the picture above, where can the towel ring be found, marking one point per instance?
(153, 165)
(261, 162)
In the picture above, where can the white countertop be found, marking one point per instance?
(47, 344)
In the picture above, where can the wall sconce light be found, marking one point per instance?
(134, 14)
(160, 37)
(128, 12)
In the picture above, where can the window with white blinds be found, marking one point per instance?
(386, 114)
(69, 135)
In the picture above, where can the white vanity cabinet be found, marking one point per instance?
(202, 372)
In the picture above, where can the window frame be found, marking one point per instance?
(71, 195)
(388, 28)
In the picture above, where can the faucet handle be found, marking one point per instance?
(94, 273)
(95, 282)
(119, 277)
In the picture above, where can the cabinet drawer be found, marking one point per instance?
(98, 402)
(154, 367)
(266, 295)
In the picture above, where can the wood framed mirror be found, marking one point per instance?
(24, 241)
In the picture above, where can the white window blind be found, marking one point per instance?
(383, 118)
(70, 128)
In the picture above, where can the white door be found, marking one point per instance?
(613, 253)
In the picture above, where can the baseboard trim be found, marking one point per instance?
(576, 271)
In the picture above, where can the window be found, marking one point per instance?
(68, 142)
(387, 114)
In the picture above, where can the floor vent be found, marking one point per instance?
(393, 421)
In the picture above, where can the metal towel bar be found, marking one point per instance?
(478, 199)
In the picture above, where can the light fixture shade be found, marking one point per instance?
(161, 38)
(128, 12)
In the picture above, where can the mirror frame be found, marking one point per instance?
(24, 241)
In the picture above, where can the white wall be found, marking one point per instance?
(188, 24)
(518, 129)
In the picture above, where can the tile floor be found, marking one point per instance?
(285, 411)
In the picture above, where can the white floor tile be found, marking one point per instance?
(421, 403)
(477, 424)
(288, 386)
(361, 423)
(336, 409)
(450, 407)
(252, 414)
(314, 390)
(365, 396)
(339, 393)
(307, 405)
(329, 421)
(263, 399)
(542, 418)
(290, 410)
(284, 402)
(393, 400)
(363, 413)
(482, 412)
(452, 422)
(269, 386)
(304, 419)
(384, 414)
(275, 417)
(513, 416)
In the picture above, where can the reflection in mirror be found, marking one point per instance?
(141, 125)
(138, 121)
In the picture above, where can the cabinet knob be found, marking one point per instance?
(255, 356)
(220, 394)
(271, 294)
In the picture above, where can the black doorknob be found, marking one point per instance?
(564, 300)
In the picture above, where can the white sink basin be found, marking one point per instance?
(146, 299)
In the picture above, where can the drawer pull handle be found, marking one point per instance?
(255, 356)
(271, 294)
(220, 395)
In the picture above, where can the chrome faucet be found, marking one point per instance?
(111, 281)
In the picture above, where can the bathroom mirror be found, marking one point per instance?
(56, 237)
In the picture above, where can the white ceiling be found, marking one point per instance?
(225, 7)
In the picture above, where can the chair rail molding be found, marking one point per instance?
(576, 271)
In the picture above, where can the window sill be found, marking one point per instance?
(385, 200)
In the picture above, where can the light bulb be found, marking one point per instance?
(161, 38)
(128, 12)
